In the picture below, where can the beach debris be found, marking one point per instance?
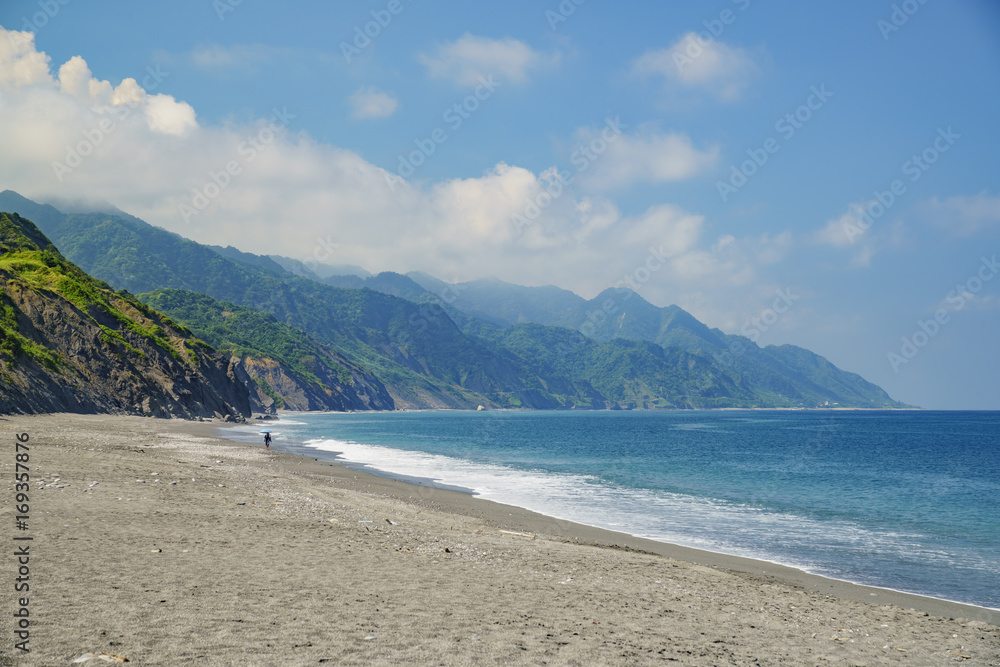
(156, 551)
(391, 523)
(963, 656)
(107, 657)
(364, 522)
(447, 550)
(517, 534)
(369, 638)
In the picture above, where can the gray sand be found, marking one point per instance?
(231, 555)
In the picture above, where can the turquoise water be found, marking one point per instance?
(902, 500)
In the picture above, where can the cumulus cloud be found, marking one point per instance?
(370, 102)
(694, 62)
(471, 58)
(646, 156)
(169, 116)
(22, 64)
(267, 187)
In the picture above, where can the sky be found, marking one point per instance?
(819, 174)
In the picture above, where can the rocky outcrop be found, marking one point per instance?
(93, 372)
(69, 343)
(294, 392)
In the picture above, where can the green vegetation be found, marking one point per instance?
(279, 402)
(510, 345)
(13, 344)
(247, 332)
(30, 261)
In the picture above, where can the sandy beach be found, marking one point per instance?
(155, 541)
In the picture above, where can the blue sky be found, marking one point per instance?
(736, 146)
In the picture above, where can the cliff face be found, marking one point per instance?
(362, 392)
(69, 343)
(281, 365)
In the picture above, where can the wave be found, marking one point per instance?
(840, 549)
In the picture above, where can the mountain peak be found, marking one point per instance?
(17, 233)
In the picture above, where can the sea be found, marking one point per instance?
(905, 500)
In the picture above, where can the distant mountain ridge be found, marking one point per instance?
(621, 314)
(433, 344)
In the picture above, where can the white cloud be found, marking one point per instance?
(964, 215)
(20, 63)
(235, 57)
(842, 231)
(369, 102)
(470, 58)
(169, 116)
(670, 228)
(289, 191)
(722, 70)
(859, 231)
(647, 156)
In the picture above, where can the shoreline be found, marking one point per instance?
(159, 541)
(526, 520)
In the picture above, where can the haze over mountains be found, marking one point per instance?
(335, 342)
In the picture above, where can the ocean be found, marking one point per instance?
(906, 500)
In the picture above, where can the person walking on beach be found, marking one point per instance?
(267, 441)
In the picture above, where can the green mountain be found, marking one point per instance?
(420, 355)
(785, 375)
(69, 342)
(432, 344)
(290, 369)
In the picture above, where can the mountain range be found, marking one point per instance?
(309, 340)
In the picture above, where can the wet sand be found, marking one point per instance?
(193, 549)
